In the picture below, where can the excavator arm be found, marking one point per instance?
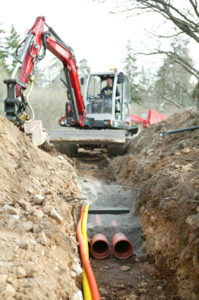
(17, 107)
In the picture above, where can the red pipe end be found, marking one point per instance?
(89, 243)
(100, 248)
(122, 247)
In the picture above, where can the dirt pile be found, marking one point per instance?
(165, 174)
(38, 249)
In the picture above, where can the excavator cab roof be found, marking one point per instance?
(105, 77)
(111, 74)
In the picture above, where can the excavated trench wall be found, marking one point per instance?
(165, 174)
(38, 248)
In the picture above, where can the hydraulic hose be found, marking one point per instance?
(27, 99)
(85, 260)
(86, 286)
(29, 116)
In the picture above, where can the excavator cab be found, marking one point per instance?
(107, 101)
(99, 95)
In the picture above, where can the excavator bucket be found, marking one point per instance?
(35, 130)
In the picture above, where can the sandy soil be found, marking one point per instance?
(166, 173)
(38, 248)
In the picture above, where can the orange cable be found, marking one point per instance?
(86, 263)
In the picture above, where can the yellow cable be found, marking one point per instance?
(24, 116)
(84, 227)
(27, 98)
(86, 286)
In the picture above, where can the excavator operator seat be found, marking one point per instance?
(107, 97)
(100, 94)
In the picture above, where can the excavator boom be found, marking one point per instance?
(36, 40)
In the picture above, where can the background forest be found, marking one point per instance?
(171, 87)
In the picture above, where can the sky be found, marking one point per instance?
(89, 28)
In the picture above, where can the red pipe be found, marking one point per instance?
(100, 247)
(89, 243)
(122, 247)
(89, 272)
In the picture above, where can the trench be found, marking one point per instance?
(105, 196)
(133, 278)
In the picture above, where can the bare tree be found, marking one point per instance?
(177, 58)
(185, 16)
(195, 94)
(172, 84)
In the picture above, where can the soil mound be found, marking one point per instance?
(165, 173)
(38, 249)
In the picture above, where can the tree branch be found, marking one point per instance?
(180, 86)
(181, 20)
(195, 7)
(178, 59)
(168, 36)
(171, 101)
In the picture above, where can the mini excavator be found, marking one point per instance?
(90, 121)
